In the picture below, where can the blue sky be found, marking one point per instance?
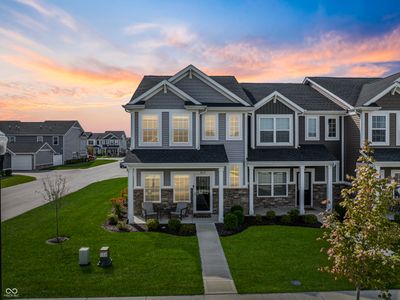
(82, 59)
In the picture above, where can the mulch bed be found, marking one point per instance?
(57, 241)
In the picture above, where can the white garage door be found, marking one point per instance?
(57, 159)
(21, 162)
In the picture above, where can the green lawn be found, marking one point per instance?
(143, 263)
(265, 259)
(84, 165)
(15, 179)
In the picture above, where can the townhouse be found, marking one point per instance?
(110, 143)
(212, 142)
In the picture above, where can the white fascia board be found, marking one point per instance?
(338, 101)
(45, 144)
(387, 164)
(290, 163)
(208, 80)
(226, 109)
(395, 85)
(279, 97)
(325, 112)
(175, 165)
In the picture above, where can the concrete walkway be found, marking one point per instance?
(217, 278)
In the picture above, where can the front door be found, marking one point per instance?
(307, 189)
(203, 194)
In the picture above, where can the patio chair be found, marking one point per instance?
(148, 211)
(180, 211)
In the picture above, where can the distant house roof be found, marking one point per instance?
(118, 133)
(303, 153)
(206, 154)
(101, 135)
(303, 95)
(28, 147)
(37, 128)
(387, 154)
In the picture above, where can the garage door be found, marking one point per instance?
(57, 159)
(21, 162)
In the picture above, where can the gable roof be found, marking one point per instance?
(118, 133)
(101, 135)
(371, 90)
(37, 128)
(28, 147)
(302, 95)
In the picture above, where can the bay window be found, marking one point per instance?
(152, 187)
(210, 127)
(181, 188)
(331, 128)
(312, 128)
(180, 129)
(272, 183)
(379, 128)
(150, 129)
(234, 126)
(274, 129)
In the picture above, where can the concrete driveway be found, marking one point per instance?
(18, 199)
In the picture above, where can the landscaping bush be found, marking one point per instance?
(236, 207)
(112, 219)
(270, 215)
(118, 209)
(240, 216)
(122, 226)
(230, 221)
(397, 218)
(152, 224)
(187, 229)
(258, 219)
(294, 214)
(174, 225)
(310, 219)
(124, 193)
(340, 210)
(7, 172)
(286, 219)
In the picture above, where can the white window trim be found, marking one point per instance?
(142, 179)
(58, 139)
(287, 171)
(39, 139)
(335, 138)
(240, 175)
(141, 143)
(171, 138)
(387, 116)
(173, 185)
(203, 130)
(274, 117)
(235, 138)
(306, 135)
(398, 129)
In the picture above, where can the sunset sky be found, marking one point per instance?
(83, 59)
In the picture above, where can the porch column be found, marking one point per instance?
(251, 193)
(130, 196)
(132, 145)
(301, 200)
(221, 195)
(329, 188)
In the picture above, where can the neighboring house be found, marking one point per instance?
(36, 145)
(212, 142)
(110, 143)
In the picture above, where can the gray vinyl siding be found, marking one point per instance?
(201, 91)
(320, 173)
(276, 108)
(46, 139)
(389, 102)
(163, 100)
(351, 143)
(392, 129)
(73, 145)
(44, 157)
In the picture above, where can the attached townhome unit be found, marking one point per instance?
(36, 145)
(110, 143)
(211, 142)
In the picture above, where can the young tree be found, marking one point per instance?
(364, 248)
(53, 189)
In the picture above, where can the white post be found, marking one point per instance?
(296, 135)
(130, 196)
(251, 192)
(221, 195)
(329, 189)
(302, 169)
(197, 130)
(132, 146)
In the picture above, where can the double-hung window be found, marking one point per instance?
(56, 140)
(152, 187)
(181, 188)
(331, 128)
(39, 139)
(272, 183)
(234, 175)
(274, 130)
(180, 129)
(210, 126)
(234, 126)
(379, 128)
(312, 128)
(150, 129)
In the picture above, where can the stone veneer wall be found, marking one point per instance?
(236, 196)
(319, 193)
(271, 202)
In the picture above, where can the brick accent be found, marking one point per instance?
(234, 196)
(271, 202)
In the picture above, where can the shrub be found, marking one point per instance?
(270, 215)
(236, 207)
(230, 221)
(124, 193)
(310, 219)
(7, 172)
(294, 214)
(118, 209)
(112, 219)
(340, 210)
(152, 224)
(240, 216)
(174, 225)
(397, 218)
(286, 219)
(187, 229)
(258, 219)
(122, 226)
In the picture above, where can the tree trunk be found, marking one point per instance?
(358, 293)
